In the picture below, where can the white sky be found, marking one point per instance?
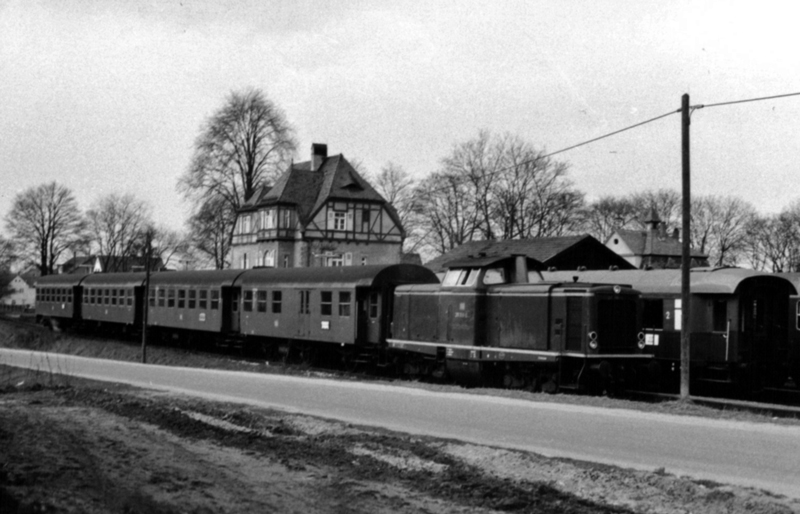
(109, 96)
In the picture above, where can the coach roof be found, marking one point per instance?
(114, 279)
(340, 276)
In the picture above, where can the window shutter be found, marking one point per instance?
(348, 259)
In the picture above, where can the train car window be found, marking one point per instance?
(373, 305)
(106, 297)
(344, 303)
(161, 297)
(720, 315)
(247, 304)
(192, 298)
(305, 300)
(181, 298)
(276, 302)
(261, 300)
(129, 297)
(797, 315)
(494, 276)
(326, 303)
(152, 298)
(653, 314)
(170, 298)
(214, 299)
(202, 302)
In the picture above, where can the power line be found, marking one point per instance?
(701, 106)
(610, 134)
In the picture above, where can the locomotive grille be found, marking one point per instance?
(616, 325)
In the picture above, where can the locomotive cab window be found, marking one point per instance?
(460, 277)
(494, 276)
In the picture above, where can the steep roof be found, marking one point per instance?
(542, 249)
(640, 244)
(308, 190)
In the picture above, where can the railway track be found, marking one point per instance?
(775, 403)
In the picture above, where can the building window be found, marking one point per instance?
(344, 303)
(334, 261)
(269, 258)
(246, 224)
(286, 219)
(363, 261)
(276, 302)
(326, 303)
(365, 214)
(244, 261)
(286, 260)
(339, 220)
(248, 301)
(261, 301)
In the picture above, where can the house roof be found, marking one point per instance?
(308, 190)
(640, 244)
(542, 249)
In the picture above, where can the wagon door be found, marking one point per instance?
(573, 326)
(231, 300)
(369, 316)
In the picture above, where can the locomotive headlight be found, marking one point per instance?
(617, 289)
(593, 344)
(641, 342)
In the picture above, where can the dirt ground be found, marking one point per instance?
(71, 445)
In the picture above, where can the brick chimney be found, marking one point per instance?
(319, 153)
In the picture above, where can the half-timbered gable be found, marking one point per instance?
(318, 213)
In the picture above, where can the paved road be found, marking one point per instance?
(760, 455)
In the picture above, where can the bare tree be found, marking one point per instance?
(210, 231)
(609, 214)
(448, 210)
(244, 144)
(719, 228)
(8, 254)
(398, 188)
(117, 224)
(773, 242)
(666, 202)
(45, 221)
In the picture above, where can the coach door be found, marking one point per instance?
(231, 307)
(573, 329)
(304, 314)
(369, 316)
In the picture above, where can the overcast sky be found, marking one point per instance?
(108, 96)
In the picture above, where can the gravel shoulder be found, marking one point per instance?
(73, 445)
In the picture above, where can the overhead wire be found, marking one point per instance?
(702, 106)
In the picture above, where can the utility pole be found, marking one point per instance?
(146, 295)
(686, 257)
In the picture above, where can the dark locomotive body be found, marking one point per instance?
(740, 340)
(487, 323)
